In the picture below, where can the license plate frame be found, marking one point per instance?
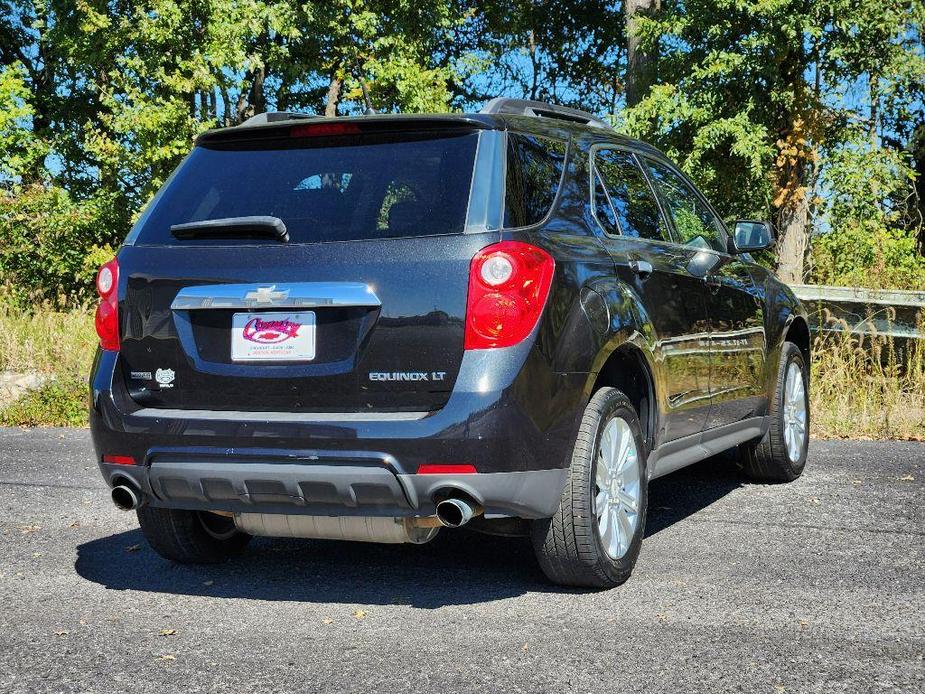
(273, 336)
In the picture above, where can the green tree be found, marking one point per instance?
(571, 53)
(752, 96)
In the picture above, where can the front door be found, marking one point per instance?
(637, 237)
(733, 300)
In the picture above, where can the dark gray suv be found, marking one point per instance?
(371, 328)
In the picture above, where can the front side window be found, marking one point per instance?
(694, 222)
(633, 201)
(534, 172)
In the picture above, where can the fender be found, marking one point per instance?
(782, 308)
(628, 324)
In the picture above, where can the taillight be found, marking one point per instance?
(508, 286)
(107, 313)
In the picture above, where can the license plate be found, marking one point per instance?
(273, 336)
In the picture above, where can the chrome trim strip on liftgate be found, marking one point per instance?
(289, 295)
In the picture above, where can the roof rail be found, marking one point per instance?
(276, 117)
(525, 107)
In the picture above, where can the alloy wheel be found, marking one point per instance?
(618, 487)
(794, 412)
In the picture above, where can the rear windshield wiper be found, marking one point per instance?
(233, 228)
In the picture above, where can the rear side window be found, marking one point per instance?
(323, 189)
(534, 171)
(633, 201)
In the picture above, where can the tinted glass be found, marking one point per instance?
(346, 188)
(603, 209)
(534, 170)
(694, 223)
(632, 197)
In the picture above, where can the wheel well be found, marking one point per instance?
(626, 370)
(798, 334)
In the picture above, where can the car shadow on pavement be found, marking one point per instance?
(457, 568)
(682, 494)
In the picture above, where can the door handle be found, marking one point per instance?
(642, 268)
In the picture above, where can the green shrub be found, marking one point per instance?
(49, 246)
(59, 402)
(872, 228)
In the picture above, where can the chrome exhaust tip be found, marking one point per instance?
(126, 497)
(456, 512)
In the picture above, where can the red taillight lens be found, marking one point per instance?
(508, 287)
(107, 313)
(435, 469)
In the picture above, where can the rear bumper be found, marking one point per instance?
(509, 416)
(324, 489)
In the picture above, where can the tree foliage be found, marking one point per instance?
(802, 111)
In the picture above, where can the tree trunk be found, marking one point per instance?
(330, 105)
(873, 84)
(640, 66)
(793, 238)
(243, 109)
(258, 98)
(918, 156)
(226, 107)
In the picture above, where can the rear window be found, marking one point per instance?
(534, 170)
(333, 189)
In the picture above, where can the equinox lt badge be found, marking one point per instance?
(406, 376)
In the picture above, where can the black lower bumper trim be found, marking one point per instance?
(335, 490)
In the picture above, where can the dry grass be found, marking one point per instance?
(868, 386)
(863, 386)
(50, 342)
(59, 345)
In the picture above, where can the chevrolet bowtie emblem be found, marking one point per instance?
(266, 295)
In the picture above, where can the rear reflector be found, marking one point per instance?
(324, 130)
(119, 459)
(446, 469)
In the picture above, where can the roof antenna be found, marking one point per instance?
(370, 111)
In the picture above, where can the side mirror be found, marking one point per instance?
(748, 236)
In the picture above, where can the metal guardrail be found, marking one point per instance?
(891, 313)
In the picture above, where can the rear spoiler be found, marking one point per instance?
(279, 125)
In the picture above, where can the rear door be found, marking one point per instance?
(360, 310)
(734, 302)
(666, 277)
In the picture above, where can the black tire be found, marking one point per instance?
(767, 459)
(190, 537)
(568, 546)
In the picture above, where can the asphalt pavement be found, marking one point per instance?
(815, 586)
